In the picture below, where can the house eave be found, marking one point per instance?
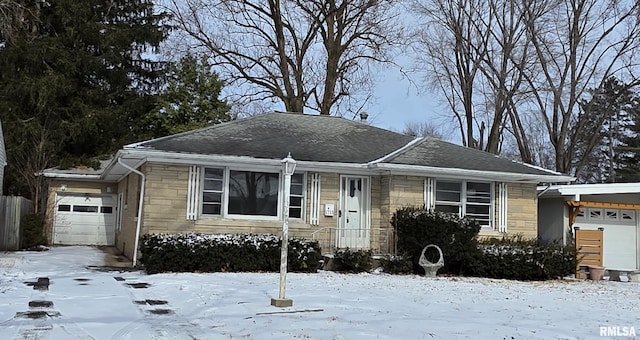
(418, 170)
(575, 190)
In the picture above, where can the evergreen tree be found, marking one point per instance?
(190, 99)
(605, 121)
(628, 152)
(75, 83)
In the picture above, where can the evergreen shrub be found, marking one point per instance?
(512, 258)
(352, 261)
(397, 264)
(195, 252)
(33, 231)
(457, 237)
(517, 258)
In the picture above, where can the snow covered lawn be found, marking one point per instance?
(84, 303)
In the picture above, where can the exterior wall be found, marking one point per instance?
(522, 212)
(165, 206)
(82, 187)
(125, 237)
(552, 219)
(396, 192)
(403, 191)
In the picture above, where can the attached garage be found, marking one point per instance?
(83, 219)
(612, 207)
(620, 246)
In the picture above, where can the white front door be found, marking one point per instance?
(353, 224)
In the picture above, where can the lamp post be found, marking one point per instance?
(288, 167)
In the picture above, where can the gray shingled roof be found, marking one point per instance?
(437, 153)
(273, 135)
(330, 139)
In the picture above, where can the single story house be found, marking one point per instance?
(3, 158)
(349, 180)
(612, 207)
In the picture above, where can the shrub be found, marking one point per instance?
(33, 231)
(524, 259)
(415, 228)
(219, 253)
(352, 261)
(397, 264)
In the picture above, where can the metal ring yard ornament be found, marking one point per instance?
(430, 268)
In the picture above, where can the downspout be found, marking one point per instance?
(140, 204)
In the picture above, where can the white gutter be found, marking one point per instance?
(544, 190)
(140, 204)
(69, 176)
(471, 174)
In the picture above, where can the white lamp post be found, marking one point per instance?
(288, 167)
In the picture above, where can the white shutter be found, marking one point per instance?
(193, 192)
(502, 207)
(315, 199)
(429, 194)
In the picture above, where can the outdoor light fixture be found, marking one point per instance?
(288, 167)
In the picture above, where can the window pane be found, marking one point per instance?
(448, 191)
(212, 197)
(478, 192)
(213, 174)
(295, 201)
(296, 189)
(295, 212)
(86, 208)
(213, 185)
(64, 207)
(211, 209)
(448, 186)
(253, 193)
(106, 210)
(476, 210)
(447, 208)
(297, 179)
(479, 187)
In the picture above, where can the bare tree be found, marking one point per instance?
(527, 64)
(422, 129)
(16, 15)
(304, 53)
(578, 45)
(453, 44)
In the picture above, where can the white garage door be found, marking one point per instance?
(84, 219)
(620, 236)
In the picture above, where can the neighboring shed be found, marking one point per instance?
(614, 207)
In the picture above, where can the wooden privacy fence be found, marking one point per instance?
(12, 208)
(588, 248)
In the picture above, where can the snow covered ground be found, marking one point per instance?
(84, 303)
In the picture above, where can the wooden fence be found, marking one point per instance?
(588, 249)
(12, 208)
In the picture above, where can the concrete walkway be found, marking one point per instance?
(113, 258)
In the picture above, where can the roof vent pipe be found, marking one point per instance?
(363, 117)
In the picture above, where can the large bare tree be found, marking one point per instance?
(452, 45)
(578, 45)
(534, 60)
(314, 54)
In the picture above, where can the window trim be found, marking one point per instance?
(224, 211)
(462, 204)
